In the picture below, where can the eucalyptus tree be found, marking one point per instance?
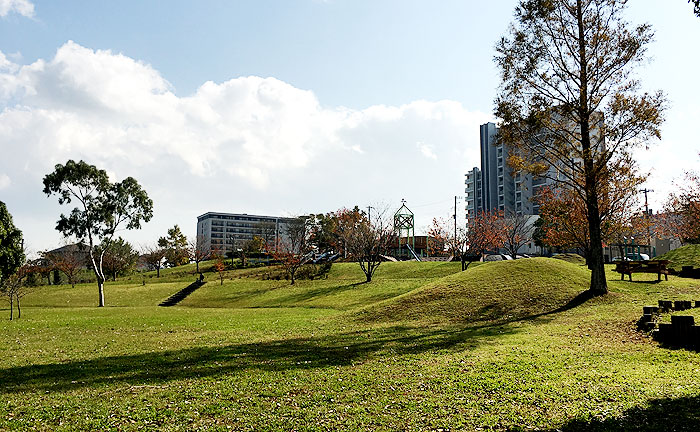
(570, 105)
(102, 208)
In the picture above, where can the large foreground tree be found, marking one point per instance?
(11, 248)
(103, 208)
(571, 109)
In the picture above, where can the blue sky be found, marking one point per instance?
(343, 50)
(279, 107)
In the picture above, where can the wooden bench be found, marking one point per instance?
(629, 267)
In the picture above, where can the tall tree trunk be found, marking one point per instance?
(599, 285)
(101, 290)
(19, 310)
(12, 308)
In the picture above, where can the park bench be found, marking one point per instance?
(629, 267)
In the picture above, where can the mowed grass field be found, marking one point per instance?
(503, 346)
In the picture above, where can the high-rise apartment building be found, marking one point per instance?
(472, 191)
(494, 186)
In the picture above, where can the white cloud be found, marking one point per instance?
(249, 144)
(4, 181)
(22, 7)
(426, 150)
(5, 64)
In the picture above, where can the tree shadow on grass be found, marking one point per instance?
(280, 355)
(313, 293)
(679, 414)
(339, 349)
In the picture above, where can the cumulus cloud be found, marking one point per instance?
(249, 144)
(22, 7)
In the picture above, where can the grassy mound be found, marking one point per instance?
(571, 257)
(343, 288)
(493, 292)
(688, 255)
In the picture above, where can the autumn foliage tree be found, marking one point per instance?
(219, 265)
(199, 251)
(154, 256)
(69, 261)
(571, 109)
(293, 247)
(331, 231)
(485, 232)
(367, 241)
(18, 285)
(516, 231)
(681, 217)
(564, 212)
(443, 237)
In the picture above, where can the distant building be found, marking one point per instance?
(79, 250)
(494, 186)
(472, 191)
(227, 231)
(425, 246)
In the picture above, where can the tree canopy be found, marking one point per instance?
(175, 246)
(681, 217)
(11, 252)
(102, 208)
(571, 108)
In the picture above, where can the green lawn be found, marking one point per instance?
(503, 346)
(688, 255)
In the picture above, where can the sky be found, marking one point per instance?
(281, 107)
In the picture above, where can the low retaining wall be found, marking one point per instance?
(681, 332)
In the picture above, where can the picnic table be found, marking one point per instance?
(651, 266)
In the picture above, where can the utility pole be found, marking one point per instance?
(455, 218)
(369, 213)
(646, 191)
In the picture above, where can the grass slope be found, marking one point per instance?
(688, 255)
(571, 257)
(491, 348)
(343, 289)
(496, 291)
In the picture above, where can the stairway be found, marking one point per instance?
(182, 294)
